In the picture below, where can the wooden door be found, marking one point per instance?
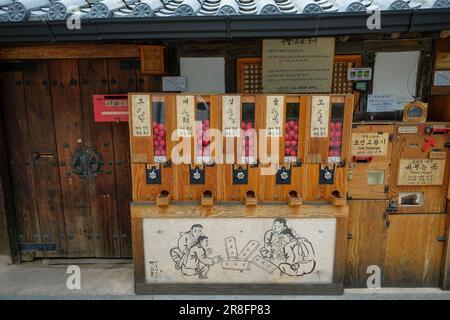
(48, 120)
(366, 240)
(414, 250)
(408, 248)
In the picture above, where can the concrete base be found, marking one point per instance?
(115, 281)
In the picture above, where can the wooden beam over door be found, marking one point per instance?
(69, 51)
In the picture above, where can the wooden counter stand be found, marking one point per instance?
(327, 146)
(239, 114)
(196, 177)
(288, 175)
(370, 160)
(419, 181)
(248, 264)
(152, 170)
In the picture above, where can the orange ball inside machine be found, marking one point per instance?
(151, 124)
(197, 122)
(328, 146)
(241, 120)
(285, 118)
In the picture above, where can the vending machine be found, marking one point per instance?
(241, 121)
(151, 124)
(329, 123)
(197, 124)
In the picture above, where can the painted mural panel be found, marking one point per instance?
(239, 250)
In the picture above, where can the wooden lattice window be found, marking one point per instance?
(249, 75)
(341, 64)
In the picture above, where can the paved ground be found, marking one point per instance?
(115, 281)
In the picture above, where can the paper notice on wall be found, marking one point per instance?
(381, 103)
(395, 73)
(421, 172)
(185, 116)
(231, 116)
(297, 65)
(320, 114)
(141, 115)
(441, 78)
(274, 116)
(369, 144)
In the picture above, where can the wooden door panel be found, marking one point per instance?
(122, 80)
(19, 156)
(413, 253)
(366, 246)
(102, 187)
(46, 181)
(67, 112)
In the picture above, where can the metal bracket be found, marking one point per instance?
(196, 175)
(168, 164)
(37, 247)
(240, 175)
(152, 174)
(284, 175)
(326, 175)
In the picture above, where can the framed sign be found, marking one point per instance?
(140, 110)
(298, 65)
(110, 107)
(442, 60)
(152, 60)
(421, 172)
(370, 144)
(274, 116)
(320, 116)
(231, 116)
(185, 116)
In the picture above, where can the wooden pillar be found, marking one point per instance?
(445, 278)
(8, 243)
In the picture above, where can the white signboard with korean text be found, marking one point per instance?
(320, 115)
(140, 111)
(185, 116)
(239, 250)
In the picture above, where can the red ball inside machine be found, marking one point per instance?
(248, 145)
(159, 139)
(291, 138)
(335, 142)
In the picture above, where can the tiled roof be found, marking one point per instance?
(32, 10)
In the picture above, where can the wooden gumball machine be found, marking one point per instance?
(197, 180)
(150, 127)
(241, 119)
(420, 171)
(329, 129)
(286, 183)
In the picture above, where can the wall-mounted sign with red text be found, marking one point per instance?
(110, 107)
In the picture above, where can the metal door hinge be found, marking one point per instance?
(441, 238)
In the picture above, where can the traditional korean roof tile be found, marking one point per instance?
(33, 10)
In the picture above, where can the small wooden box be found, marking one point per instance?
(152, 60)
(370, 160)
(419, 180)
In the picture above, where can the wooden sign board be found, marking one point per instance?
(442, 60)
(152, 60)
(298, 65)
(141, 113)
(370, 144)
(421, 172)
(185, 116)
(239, 250)
(320, 116)
(275, 116)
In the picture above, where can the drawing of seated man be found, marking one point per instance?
(197, 261)
(298, 254)
(273, 248)
(186, 241)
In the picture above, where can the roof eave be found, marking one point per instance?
(225, 27)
